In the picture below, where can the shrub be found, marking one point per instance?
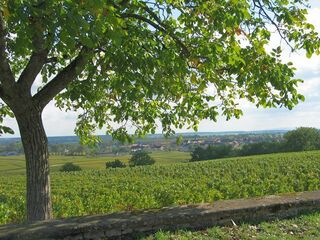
(141, 158)
(70, 167)
(115, 164)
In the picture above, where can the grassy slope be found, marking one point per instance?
(304, 227)
(16, 164)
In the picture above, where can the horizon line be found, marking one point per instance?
(177, 133)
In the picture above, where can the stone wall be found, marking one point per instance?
(127, 225)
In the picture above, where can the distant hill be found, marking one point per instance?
(280, 131)
(105, 138)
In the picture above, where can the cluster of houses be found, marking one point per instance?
(189, 143)
(140, 147)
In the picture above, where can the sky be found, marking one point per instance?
(307, 113)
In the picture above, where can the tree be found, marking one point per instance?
(141, 158)
(211, 152)
(302, 139)
(261, 148)
(70, 167)
(115, 164)
(140, 63)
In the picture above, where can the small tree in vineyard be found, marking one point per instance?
(70, 167)
(141, 158)
(115, 164)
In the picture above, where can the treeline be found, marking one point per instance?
(14, 147)
(69, 149)
(301, 139)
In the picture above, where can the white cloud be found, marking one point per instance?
(311, 87)
(313, 17)
(57, 122)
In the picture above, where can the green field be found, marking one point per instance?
(105, 191)
(16, 164)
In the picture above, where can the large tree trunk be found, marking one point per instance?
(35, 145)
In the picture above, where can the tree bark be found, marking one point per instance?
(35, 145)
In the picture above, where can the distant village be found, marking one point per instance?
(189, 143)
(115, 148)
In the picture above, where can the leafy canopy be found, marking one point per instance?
(162, 62)
(302, 139)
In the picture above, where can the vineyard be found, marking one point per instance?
(105, 191)
(16, 164)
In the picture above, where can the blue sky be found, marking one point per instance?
(59, 123)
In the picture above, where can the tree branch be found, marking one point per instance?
(62, 79)
(1, 93)
(169, 31)
(272, 22)
(38, 57)
(33, 68)
(144, 19)
(4, 96)
(159, 26)
(6, 75)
